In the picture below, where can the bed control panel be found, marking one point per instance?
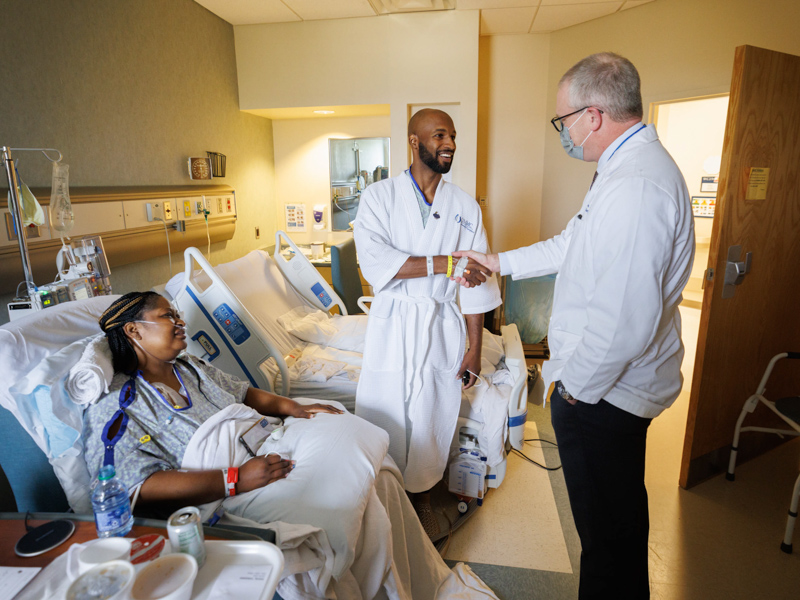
(320, 293)
(231, 323)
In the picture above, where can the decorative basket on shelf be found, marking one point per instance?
(217, 163)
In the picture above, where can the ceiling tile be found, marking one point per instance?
(487, 4)
(634, 4)
(249, 12)
(552, 18)
(496, 21)
(312, 10)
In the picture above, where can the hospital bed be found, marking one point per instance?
(36, 354)
(247, 315)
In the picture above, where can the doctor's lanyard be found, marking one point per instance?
(586, 210)
(419, 189)
(625, 140)
(126, 397)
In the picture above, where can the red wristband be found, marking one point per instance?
(231, 479)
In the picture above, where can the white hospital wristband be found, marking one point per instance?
(460, 267)
(429, 263)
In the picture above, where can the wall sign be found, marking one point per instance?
(295, 217)
(709, 183)
(703, 206)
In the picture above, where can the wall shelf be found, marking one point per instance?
(113, 213)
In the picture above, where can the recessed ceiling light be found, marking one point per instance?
(324, 112)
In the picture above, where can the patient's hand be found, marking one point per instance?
(307, 411)
(480, 267)
(262, 470)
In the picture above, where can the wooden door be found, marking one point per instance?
(739, 335)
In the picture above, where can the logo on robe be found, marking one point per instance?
(465, 224)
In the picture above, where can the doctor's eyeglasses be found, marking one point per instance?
(558, 122)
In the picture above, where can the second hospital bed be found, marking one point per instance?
(247, 315)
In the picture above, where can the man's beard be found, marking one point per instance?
(433, 164)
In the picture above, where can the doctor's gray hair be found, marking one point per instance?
(607, 81)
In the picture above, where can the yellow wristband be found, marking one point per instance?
(449, 266)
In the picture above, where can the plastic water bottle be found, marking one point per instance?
(111, 505)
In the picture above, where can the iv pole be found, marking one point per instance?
(16, 211)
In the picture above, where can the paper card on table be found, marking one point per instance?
(242, 581)
(13, 579)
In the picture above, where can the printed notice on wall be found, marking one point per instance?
(295, 217)
(757, 183)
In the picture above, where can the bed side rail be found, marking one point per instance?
(305, 278)
(220, 329)
(518, 400)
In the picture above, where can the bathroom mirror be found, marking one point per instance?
(355, 164)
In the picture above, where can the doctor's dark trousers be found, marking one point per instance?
(602, 450)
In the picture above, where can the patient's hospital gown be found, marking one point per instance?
(157, 434)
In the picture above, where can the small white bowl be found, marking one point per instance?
(110, 581)
(101, 551)
(169, 577)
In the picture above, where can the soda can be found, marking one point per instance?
(186, 533)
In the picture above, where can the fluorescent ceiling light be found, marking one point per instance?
(324, 112)
(383, 7)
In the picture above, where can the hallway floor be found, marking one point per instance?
(718, 540)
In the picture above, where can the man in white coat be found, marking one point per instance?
(406, 230)
(615, 331)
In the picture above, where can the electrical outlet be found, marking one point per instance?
(155, 211)
(198, 207)
(187, 209)
(219, 206)
(168, 215)
(482, 201)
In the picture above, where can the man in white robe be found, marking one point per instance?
(410, 383)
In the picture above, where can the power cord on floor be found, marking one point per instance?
(527, 458)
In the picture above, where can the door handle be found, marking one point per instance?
(735, 270)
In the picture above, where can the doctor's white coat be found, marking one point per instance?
(415, 334)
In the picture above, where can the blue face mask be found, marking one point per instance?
(569, 146)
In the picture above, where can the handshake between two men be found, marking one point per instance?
(480, 266)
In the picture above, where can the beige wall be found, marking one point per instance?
(682, 48)
(302, 167)
(398, 60)
(511, 129)
(127, 91)
(692, 132)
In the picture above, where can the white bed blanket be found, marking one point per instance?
(338, 457)
(387, 553)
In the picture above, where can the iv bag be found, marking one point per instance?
(30, 209)
(61, 216)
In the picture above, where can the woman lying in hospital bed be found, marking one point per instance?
(178, 413)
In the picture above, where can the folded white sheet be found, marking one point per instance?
(88, 379)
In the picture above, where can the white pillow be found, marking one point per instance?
(29, 340)
(318, 327)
